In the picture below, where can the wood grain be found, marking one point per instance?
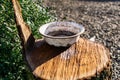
(23, 29)
(81, 60)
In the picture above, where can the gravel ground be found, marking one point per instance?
(100, 19)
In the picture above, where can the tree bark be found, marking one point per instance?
(23, 29)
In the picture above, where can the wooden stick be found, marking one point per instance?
(23, 29)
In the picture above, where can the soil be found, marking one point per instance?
(101, 18)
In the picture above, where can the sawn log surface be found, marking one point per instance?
(81, 60)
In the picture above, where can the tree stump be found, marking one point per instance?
(82, 60)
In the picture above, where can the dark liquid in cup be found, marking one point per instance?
(61, 33)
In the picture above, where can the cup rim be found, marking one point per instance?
(44, 27)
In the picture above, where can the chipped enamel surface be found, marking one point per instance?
(61, 40)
